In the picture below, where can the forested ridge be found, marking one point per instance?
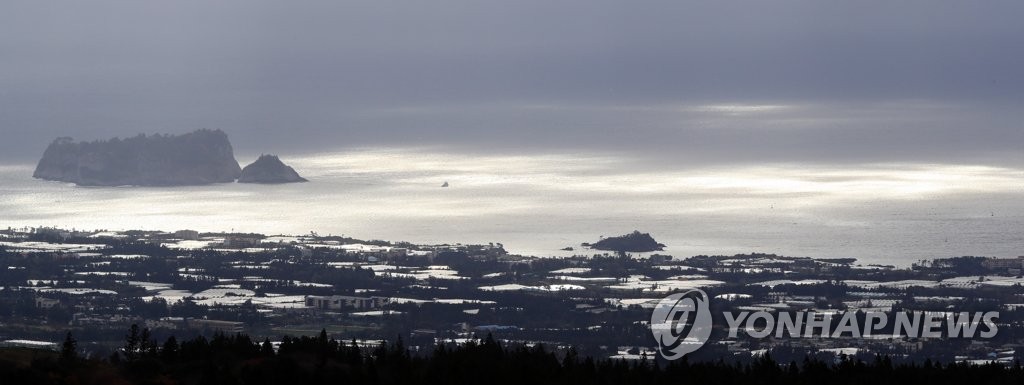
(237, 359)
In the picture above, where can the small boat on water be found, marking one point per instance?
(445, 184)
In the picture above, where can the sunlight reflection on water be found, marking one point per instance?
(880, 213)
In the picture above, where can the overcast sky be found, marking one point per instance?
(752, 81)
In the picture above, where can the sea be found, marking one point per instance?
(538, 204)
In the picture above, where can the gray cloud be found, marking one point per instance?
(865, 81)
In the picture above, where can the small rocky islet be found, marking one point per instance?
(269, 169)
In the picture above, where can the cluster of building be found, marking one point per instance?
(275, 285)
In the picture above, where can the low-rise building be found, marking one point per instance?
(1004, 263)
(187, 235)
(46, 303)
(242, 241)
(342, 302)
(218, 325)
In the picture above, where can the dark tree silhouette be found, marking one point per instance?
(69, 348)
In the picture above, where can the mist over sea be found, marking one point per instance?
(894, 213)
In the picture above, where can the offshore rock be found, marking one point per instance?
(269, 169)
(197, 158)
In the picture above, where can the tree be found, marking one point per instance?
(169, 353)
(267, 349)
(132, 343)
(147, 345)
(69, 349)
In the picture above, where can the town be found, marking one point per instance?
(96, 284)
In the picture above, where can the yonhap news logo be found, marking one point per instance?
(681, 323)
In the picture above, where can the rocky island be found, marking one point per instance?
(636, 242)
(269, 169)
(196, 158)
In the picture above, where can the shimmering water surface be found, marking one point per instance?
(538, 204)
